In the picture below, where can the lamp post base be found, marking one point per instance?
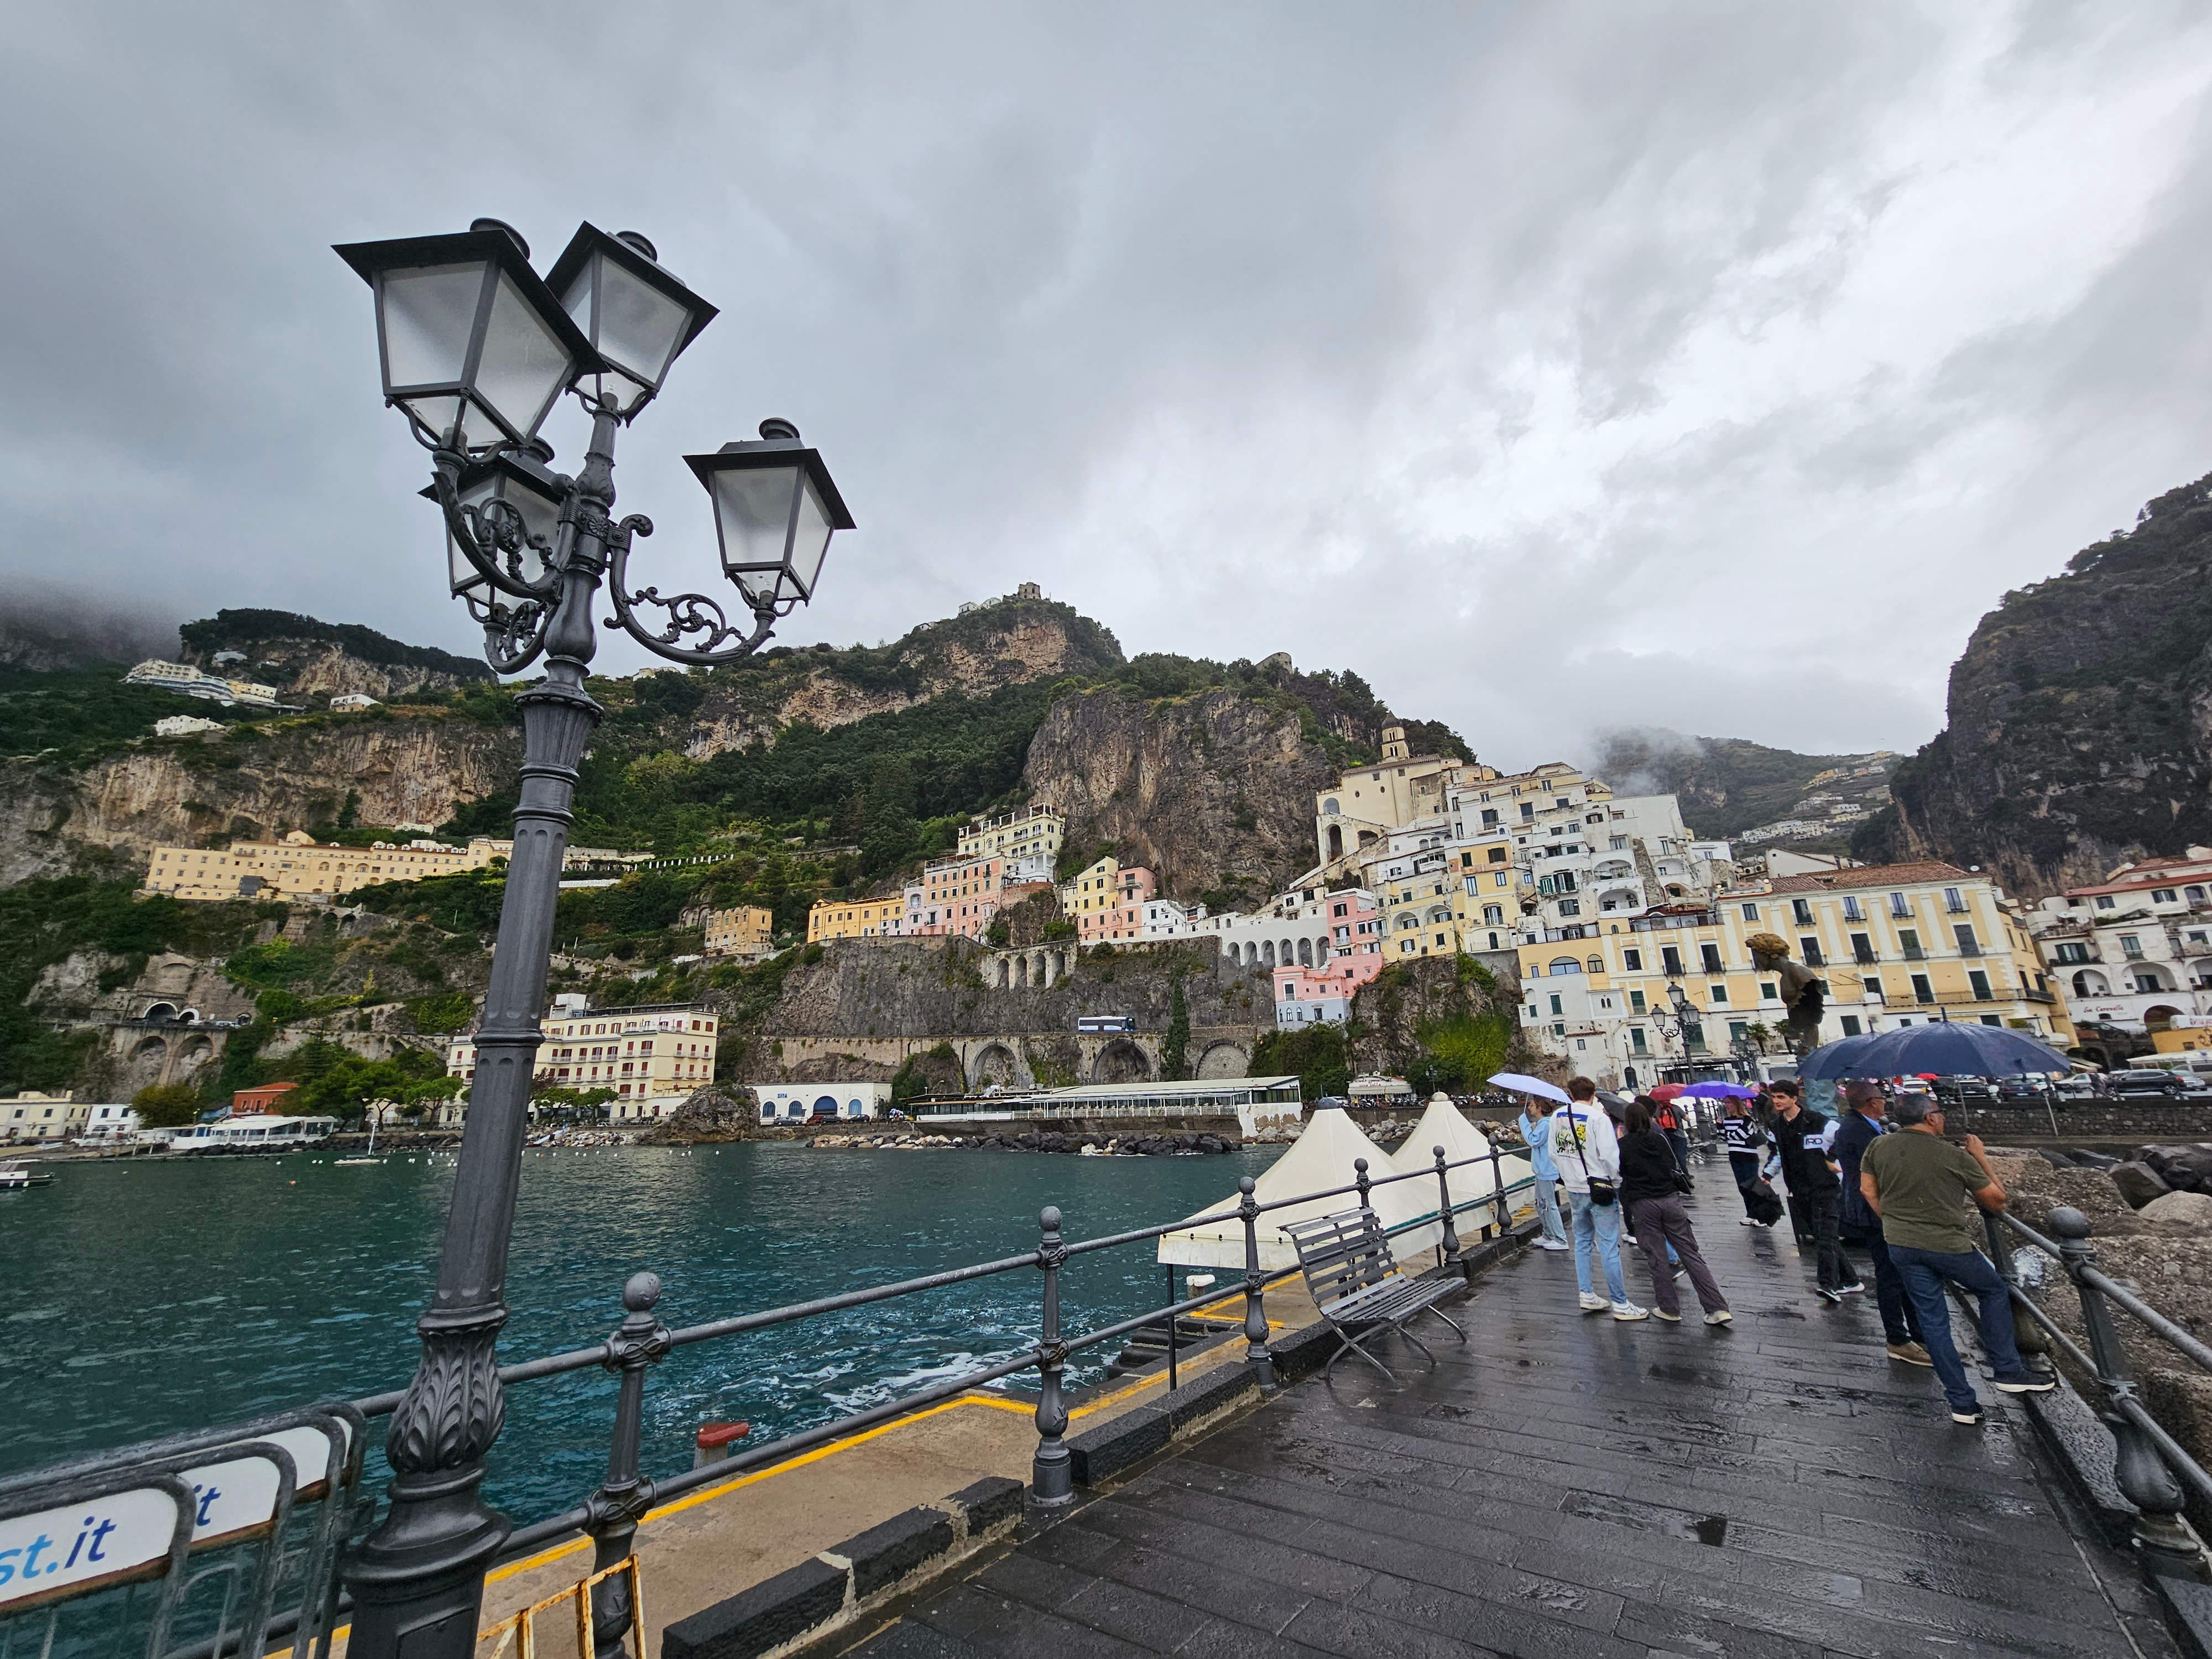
(417, 1581)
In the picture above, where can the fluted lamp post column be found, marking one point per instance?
(474, 350)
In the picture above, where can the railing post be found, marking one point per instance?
(2027, 1335)
(2168, 1546)
(1256, 1310)
(1051, 1476)
(1447, 1250)
(640, 1341)
(1504, 1214)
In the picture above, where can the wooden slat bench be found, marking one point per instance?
(1354, 1281)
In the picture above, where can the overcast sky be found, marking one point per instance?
(1554, 366)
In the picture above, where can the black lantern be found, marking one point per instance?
(527, 485)
(636, 316)
(475, 347)
(774, 510)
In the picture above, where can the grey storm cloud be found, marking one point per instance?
(1555, 366)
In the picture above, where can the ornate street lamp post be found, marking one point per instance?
(474, 350)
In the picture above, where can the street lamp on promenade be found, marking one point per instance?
(475, 349)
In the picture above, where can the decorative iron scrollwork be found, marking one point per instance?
(697, 626)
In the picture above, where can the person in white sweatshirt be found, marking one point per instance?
(1585, 1150)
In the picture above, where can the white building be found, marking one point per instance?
(802, 1102)
(2135, 949)
(351, 700)
(189, 682)
(184, 726)
(652, 1056)
(106, 1122)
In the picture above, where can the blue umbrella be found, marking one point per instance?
(1942, 1048)
(1833, 1060)
(1720, 1091)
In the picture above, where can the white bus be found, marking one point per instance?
(1105, 1023)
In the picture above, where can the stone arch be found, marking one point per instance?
(1005, 976)
(1224, 1059)
(152, 1047)
(995, 1064)
(1564, 965)
(1121, 1062)
(2152, 979)
(161, 1011)
(1305, 953)
(189, 1057)
(1017, 970)
(1267, 960)
(1336, 842)
(2090, 983)
(1369, 837)
(2160, 1018)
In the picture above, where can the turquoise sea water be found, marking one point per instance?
(148, 1297)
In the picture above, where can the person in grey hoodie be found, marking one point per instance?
(1585, 1151)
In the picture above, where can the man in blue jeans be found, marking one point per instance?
(1584, 1149)
(1916, 1182)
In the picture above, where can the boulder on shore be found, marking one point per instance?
(2191, 1209)
(2139, 1183)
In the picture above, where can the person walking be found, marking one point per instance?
(1651, 1191)
(1741, 1135)
(1811, 1177)
(1864, 1123)
(1800, 1225)
(1536, 1132)
(1589, 1160)
(1666, 1117)
(1916, 1182)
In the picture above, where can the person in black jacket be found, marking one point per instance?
(1650, 1194)
(1811, 1175)
(1860, 1127)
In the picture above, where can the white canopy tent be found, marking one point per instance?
(1442, 1125)
(1320, 1158)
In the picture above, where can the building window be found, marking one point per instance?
(2162, 896)
(1955, 901)
(1670, 962)
(1809, 949)
(2131, 947)
(1711, 954)
(1768, 991)
(1716, 995)
(1636, 1040)
(1968, 944)
(1851, 910)
(1632, 961)
(1908, 940)
(2069, 953)
(1556, 1009)
(1851, 1025)
(1921, 990)
(2105, 901)
(1636, 1002)
(1751, 912)
(1980, 983)
(1862, 948)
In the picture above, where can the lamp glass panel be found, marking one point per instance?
(809, 537)
(639, 325)
(524, 364)
(466, 578)
(429, 312)
(540, 518)
(752, 508)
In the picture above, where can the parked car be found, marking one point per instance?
(2079, 1085)
(2144, 1083)
(1965, 1091)
(2027, 1089)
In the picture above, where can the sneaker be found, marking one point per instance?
(1971, 1418)
(1835, 1299)
(1719, 1316)
(1628, 1239)
(1749, 1221)
(1911, 1352)
(1552, 1244)
(1594, 1304)
(2025, 1385)
(1671, 1319)
(1852, 1290)
(1627, 1311)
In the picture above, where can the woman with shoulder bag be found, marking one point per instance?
(1650, 1190)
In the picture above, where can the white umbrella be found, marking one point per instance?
(1530, 1085)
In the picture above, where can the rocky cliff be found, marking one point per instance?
(1009, 642)
(2080, 717)
(304, 657)
(1212, 792)
(407, 769)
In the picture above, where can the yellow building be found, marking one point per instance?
(875, 918)
(299, 867)
(1486, 895)
(1032, 834)
(1368, 802)
(1106, 902)
(743, 930)
(1899, 945)
(34, 1116)
(1417, 913)
(652, 1056)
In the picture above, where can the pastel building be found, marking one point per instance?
(652, 1056)
(1107, 901)
(1307, 996)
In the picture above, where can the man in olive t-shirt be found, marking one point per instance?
(1919, 1184)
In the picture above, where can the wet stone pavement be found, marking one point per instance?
(1571, 1485)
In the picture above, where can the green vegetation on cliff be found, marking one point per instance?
(244, 630)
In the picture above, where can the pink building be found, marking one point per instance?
(1106, 902)
(1306, 996)
(957, 896)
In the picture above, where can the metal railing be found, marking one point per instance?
(309, 1604)
(2150, 1466)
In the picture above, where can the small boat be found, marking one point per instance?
(368, 1156)
(16, 1178)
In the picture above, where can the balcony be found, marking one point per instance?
(1914, 953)
(1864, 957)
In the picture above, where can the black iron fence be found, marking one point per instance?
(2150, 1467)
(210, 1589)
